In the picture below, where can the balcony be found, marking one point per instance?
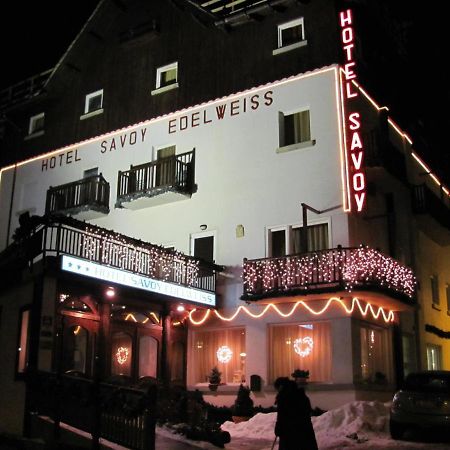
(24, 90)
(163, 181)
(333, 270)
(117, 254)
(381, 152)
(84, 199)
(432, 213)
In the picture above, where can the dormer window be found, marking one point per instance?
(166, 78)
(93, 104)
(291, 35)
(36, 126)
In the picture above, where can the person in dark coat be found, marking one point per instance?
(293, 425)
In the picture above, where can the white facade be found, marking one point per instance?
(246, 185)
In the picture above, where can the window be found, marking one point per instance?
(94, 102)
(286, 240)
(434, 357)
(165, 168)
(202, 246)
(90, 172)
(166, 78)
(300, 346)
(409, 354)
(121, 354)
(36, 124)
(294, 129)
(23, 340)
(223, 348)
(448, 297)
(434, 281)
(291, 35)
(375, 348)
(148, 356)
(75, 349)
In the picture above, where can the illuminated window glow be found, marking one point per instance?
(122, 355)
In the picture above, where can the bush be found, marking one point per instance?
(243, 406)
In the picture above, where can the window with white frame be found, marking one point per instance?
(375, 351)
(294, 128)
(287, 240)
(36, 124)
(434, 283)
(224, 349)
(291, 32)
(93, 102)
(434, 357)
(167, 76)
(291, 35)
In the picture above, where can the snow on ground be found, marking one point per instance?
(356, 425)
(362, 425)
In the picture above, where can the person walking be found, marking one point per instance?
(293, 425)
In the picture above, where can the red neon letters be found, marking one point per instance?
(354, 150)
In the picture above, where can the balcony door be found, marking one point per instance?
(165, 166)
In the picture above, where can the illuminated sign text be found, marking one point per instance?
(354, 150)
(94, 270)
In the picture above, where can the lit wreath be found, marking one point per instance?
(224, 354)
(122, 355)
(303, 346)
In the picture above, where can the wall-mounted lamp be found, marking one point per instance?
(180, 308)
(203, 227)
(110, 292)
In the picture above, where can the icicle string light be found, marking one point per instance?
(364, 309)
(155, 262)
(351, 267)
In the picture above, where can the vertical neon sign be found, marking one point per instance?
(355, 177)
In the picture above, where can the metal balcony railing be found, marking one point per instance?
(327, 271)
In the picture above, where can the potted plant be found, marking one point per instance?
(300, 376)
(243, 406)
(214, 379)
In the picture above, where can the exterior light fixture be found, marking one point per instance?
(110, 292)
(180, 308)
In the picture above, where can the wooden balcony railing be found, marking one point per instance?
(88, 193)
(174, 173)
(57, 236)
(327, 271)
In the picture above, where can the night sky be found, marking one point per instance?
(34, 36)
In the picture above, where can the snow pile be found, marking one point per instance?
(260, 426)
(356, 419)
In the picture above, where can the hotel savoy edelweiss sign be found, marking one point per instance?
(105, 273)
